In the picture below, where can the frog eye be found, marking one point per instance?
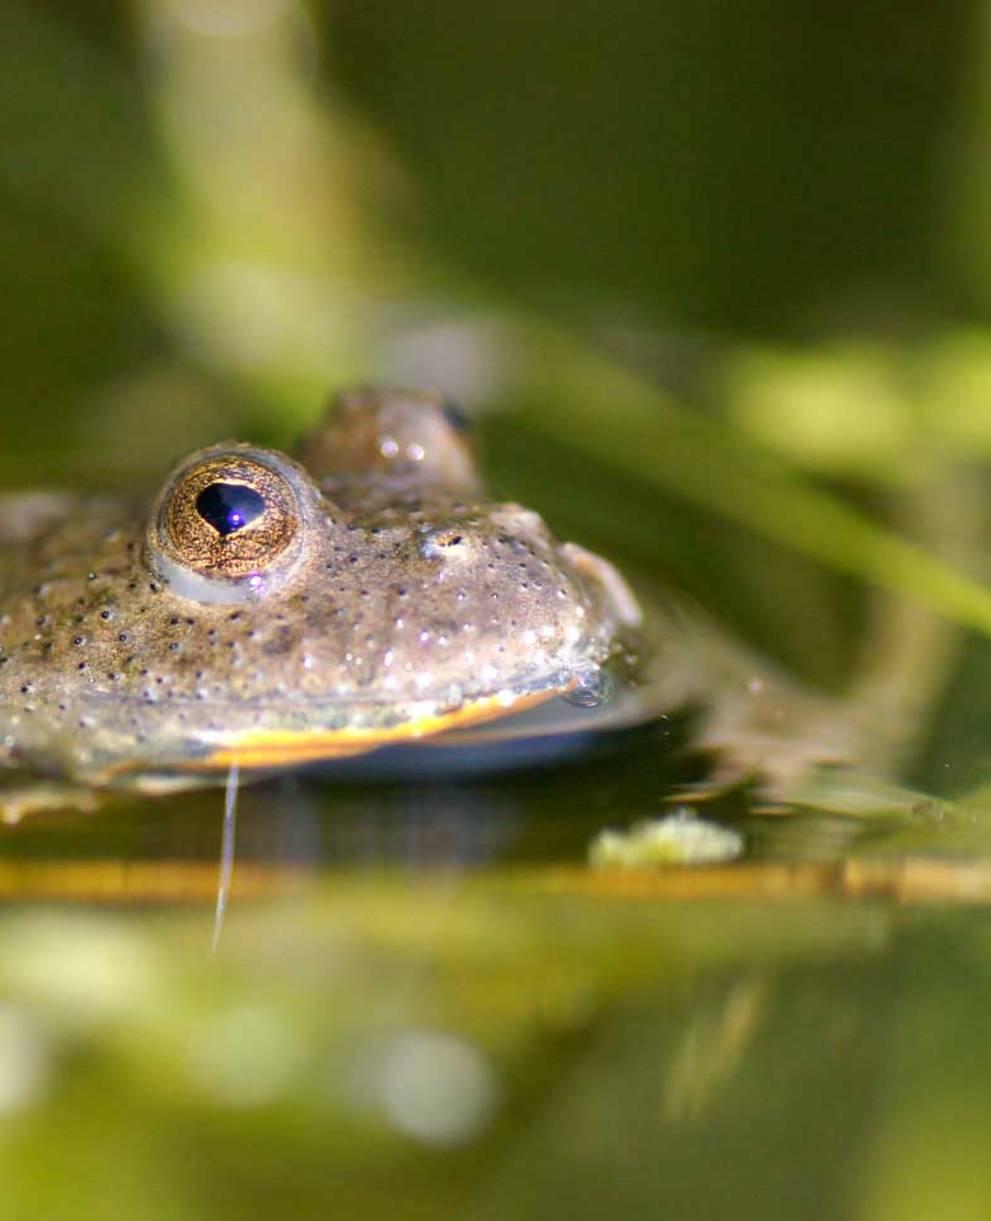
(229, 506)
(227, 516)
(458, 419)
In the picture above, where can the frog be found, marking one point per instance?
(266, 611)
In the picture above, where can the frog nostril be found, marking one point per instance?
(438, 543)
(229, 506)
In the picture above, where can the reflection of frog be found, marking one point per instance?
(267, 612)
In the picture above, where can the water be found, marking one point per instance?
(423, 1004)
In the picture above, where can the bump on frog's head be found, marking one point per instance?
(394, 437)
(228, 521)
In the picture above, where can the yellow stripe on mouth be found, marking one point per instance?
(281, 747)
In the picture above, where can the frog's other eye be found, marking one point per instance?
(415, 438)
(458, 419)
(227, 516)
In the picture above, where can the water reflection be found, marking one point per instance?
(415, 811)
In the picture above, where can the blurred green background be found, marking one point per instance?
(699, 250)
(716, 281)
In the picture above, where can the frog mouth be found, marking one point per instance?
(275, 748)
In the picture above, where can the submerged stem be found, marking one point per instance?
(226, 854)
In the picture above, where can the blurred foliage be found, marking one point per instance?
(613, 1053)
(716, 280)
(752, 168)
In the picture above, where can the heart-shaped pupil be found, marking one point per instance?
(229, 506)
